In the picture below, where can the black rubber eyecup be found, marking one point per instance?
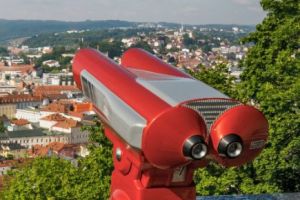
(195, 148)
(230, 146)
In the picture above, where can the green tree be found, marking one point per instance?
(187, 41)
(54, 178)
(3, 51)
(95, 174)
(271, 80)
(2, 127)
(44, 178)
(143, 45)
(218, 77)
(25, 58)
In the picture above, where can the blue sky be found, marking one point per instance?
(181, 11)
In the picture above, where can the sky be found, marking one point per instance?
(180, 11)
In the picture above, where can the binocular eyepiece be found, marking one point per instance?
(195, 148)
(230, 146)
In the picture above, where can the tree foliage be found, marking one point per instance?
(218, 77)
(53, 178)
(143, 45)
(271, 80)
(45, 178)
(2, 127)
(3, 51)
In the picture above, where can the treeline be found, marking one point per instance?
(73, 40)
(11, 29)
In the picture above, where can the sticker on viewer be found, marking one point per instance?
(257, 144)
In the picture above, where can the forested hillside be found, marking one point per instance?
(10, 29)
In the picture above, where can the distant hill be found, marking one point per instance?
(11, 29)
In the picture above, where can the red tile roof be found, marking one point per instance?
(53, 89)
(56, 147)
(62, 122)
(69, 107)
(38, 150)
(68, 123)
(75, 114)
(56, 107)
(19, 98)
(5, 165)
(54, 117)
(21, 68)
(83, 107)
(20, 122)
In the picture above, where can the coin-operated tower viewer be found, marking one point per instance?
(164, 124)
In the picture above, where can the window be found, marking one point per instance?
(88, 89)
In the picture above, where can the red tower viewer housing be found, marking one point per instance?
(164, 124)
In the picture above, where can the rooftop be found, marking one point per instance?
(54, 89)
(37, 132)
(27, 133)
(62, 122)
(56, 147)
(69, 123)
(21, 68)
(55, 107)
(20, 122)
(19, 98)
(54, 117)
(76, 114)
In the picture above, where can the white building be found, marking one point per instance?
(50, 79)
(60, 123)
(51, 63)
(19, 125)
(169, 46)
(5, 88)
(30, 114)
(66, 55)
(34, 56)
(29, 138)
(4, 167)
(46, 50)
(58, 79)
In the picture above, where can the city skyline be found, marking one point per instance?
(189, 12)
